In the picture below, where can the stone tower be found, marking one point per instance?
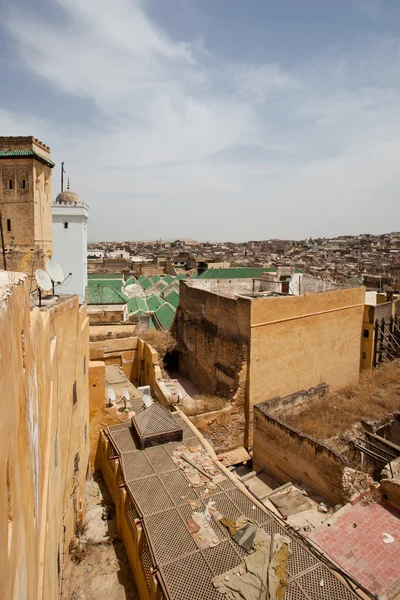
(25, 203)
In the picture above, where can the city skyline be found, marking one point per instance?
(211, 120)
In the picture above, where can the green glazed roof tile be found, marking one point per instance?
(26, 153)
(165, 315)
(173, 299)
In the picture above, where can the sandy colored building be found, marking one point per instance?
(251, 347)
(44, 437)
(25, 203)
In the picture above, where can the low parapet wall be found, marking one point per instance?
(290, 455)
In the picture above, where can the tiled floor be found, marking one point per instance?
(355, 541)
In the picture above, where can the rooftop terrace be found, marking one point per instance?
(160, 497)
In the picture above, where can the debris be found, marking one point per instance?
(387, 538)
(89, 568)
(193, 526)
(322, 507)
(206, 536)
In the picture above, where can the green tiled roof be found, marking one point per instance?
(135, 304)
(165, 315)
(168, 278)
(162, 285)
(239, 273)
(145, 283)
(131, 280)
(181, 276)
(154, 302)
(26, 153)
(173, 298)
(105, 276)
(103, 294)
(117, 284)
(155, 278)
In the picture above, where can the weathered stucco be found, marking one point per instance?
(289, 455)
(253, 349)
(43, 353)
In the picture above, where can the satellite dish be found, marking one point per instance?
(147, 400)
(111, 395)
(55, 271)
(43, 280)
(126, 394)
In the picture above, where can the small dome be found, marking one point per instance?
(67, 197)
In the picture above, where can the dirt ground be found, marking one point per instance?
(104, 572)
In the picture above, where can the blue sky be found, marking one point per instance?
(212, 119)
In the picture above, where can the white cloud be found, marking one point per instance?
(168, 109)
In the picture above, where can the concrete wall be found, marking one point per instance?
(290, 455)
(44, 446)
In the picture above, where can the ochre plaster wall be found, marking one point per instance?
(42, 354)
(118, 351)
(298, 342)
(97, 384)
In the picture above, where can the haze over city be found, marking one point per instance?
(212, 120)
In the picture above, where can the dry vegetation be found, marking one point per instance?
(373, 398)
(161, 341)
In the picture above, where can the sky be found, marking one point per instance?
(212, 119)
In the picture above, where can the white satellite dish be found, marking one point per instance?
(43, 280)
(111, 395)
(55, 271)
(147, 400)
(126, 394)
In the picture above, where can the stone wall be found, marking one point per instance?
(289, 455)
(44, 446)
(212, 332)
(390, 489)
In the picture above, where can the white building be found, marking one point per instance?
(70, 217)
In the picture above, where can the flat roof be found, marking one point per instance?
(159, 494)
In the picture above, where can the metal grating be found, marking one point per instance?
(190, 579)
(119, 426)
(293, 592)
(224, 505)
(145, 558)
(187, 432)
(300, 560)
(149, 495)
(221, 558)
(160, 459)
(273, 527)
(321, 584)
(190, 441)
(131, 514)
(226, 485)
(169, 535)
(177, 487)
(135, 466)
(171, 447)
(123, 440)
(247, 507)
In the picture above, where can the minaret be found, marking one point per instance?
(25, 203)
(70, 217)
